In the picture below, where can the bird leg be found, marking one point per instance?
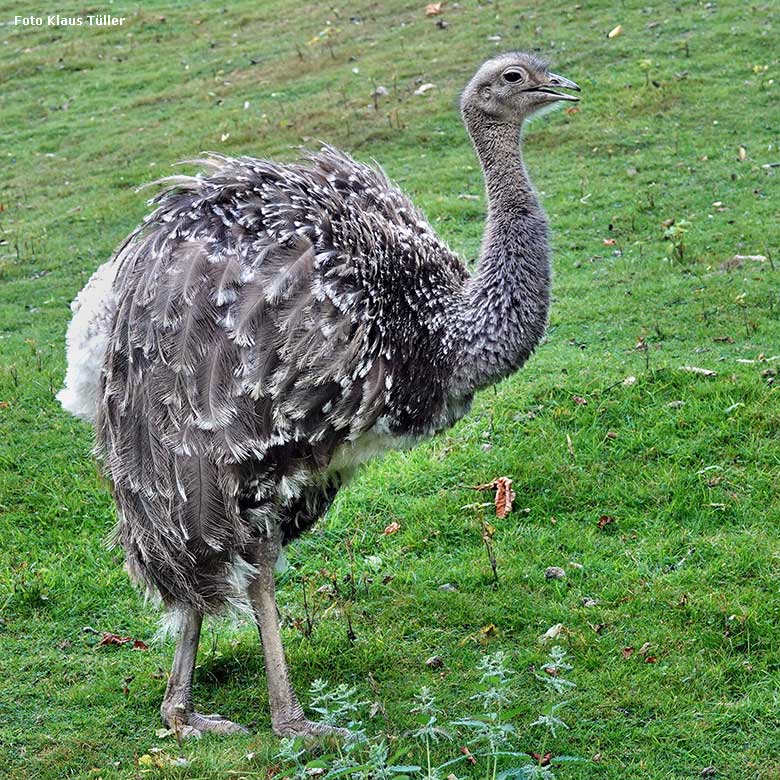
(176, 708)
(287, 718)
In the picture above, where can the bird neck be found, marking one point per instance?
(503, 311)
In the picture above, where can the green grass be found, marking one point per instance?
(691, 563)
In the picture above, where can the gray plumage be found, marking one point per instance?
(274, 325)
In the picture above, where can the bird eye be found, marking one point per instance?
(512, 76)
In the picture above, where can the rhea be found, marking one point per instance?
(267, 329)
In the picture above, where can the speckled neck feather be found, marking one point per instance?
(503, 315)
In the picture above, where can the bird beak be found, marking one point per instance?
(555, 82)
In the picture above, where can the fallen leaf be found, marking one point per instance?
(701, 371)
(627, 652)
(609, 242)
(645, 647)
(391, 529)
(628, 381)
(504, 496)
(742, 154)
(435, 662)
(569, 444)
(605, 520)
(615, 31)
(423, 88)
(611, 435)
(112, 639)
(466, 752)
(448, 587)
(554, 573)
(553, 632)
(542, 760)
(650, 659)
(579, 400)
(572, 110)
(483, 636)
(140, 645)
(433, 9)
(724, 339)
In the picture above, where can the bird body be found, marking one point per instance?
(275, 325)
(271, 326)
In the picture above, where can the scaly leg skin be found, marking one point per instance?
(287, 718)
(176, 708)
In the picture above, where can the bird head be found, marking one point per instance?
(513, 86)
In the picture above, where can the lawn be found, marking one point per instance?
(655, 489)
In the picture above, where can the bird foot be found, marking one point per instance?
(192, 725)
(308, 729)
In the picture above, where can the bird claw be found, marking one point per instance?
(192, 725)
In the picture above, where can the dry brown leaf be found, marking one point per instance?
(542, 760)
(742, 155)
(579, 400)
(615, 31)
(391, 529)
(504, 496)
(627, 652)
(109, 638)
(112, 639)
(605, 520)
(433, 9)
